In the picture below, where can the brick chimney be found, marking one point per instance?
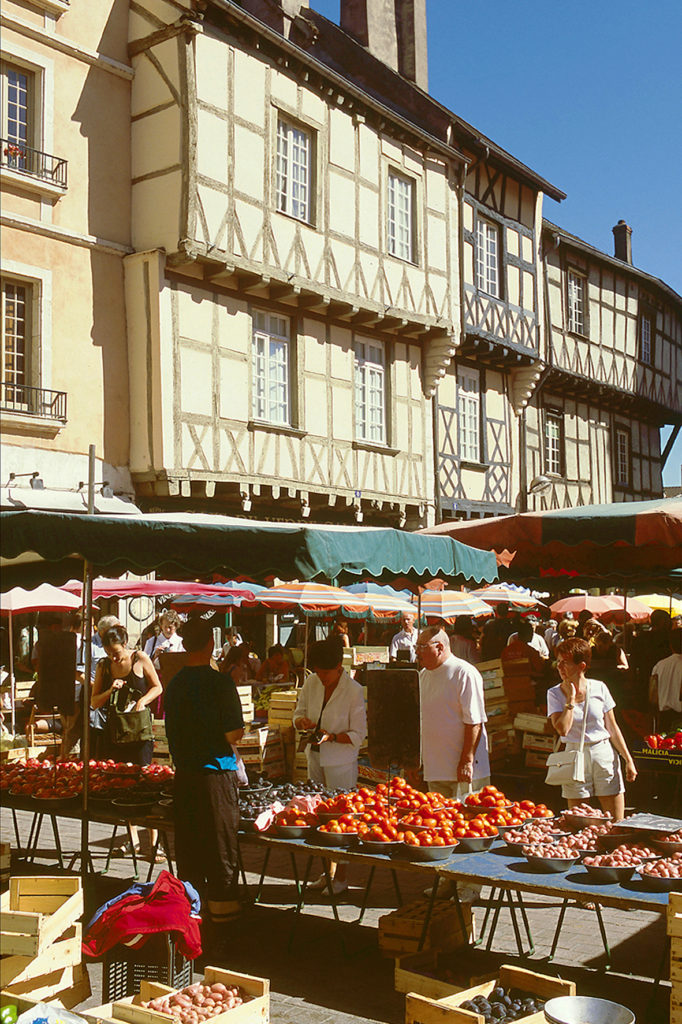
(622, 242)
(277, 14)
(394, 31)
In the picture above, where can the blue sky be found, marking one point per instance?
(588, 94)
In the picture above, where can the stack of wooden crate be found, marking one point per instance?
(675, 933)
(262, 753)
(5, 855)
(41, 940)
(245, 694)
(500, 733)
(400, 931)
(423, 1009)
(537, 738)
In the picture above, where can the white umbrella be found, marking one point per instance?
(44, 598)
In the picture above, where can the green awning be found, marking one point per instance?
(202, 544)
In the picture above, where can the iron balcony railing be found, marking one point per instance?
(48, 405)
(18, 157)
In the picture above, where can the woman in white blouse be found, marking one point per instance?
(331, 706)
(567, 704)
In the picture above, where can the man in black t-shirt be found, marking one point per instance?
(496, 632)
(203, 720)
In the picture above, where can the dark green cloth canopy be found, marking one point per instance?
(200, 544)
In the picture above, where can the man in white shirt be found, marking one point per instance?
(536, 642)
(454, 742)
(665, 687)
(406, 639)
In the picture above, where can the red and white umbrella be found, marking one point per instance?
(448, 604)
(497, 592)
(102, 588)
(602, 606)
(44, 598)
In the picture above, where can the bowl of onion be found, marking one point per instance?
(663, 875)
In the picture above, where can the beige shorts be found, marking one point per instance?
(457, 790)
(603, 773)
(334, 776)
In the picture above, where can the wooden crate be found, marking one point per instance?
(434, 974)
(423, 1010)
(65, 952)
(69, 985)
(255, 1011)
(21, 753)
(527, 722)
(535, 759)
(674, 917)
(5, 860)
(532, 741)
(400, 931)
(36, 911)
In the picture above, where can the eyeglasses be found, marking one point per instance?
(428, 643)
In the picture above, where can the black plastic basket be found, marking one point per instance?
(158, 960)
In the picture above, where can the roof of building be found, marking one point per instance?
(338, 53)
(621, 265)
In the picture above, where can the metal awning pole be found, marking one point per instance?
(87, 638)
(12, 683)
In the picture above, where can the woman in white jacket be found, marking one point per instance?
(331, 706)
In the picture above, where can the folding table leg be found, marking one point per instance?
(365, 898)
(294, 871)
(136, 874)
(507, 898)
(33, 837)
(57, 841)
(489, 906)
(557, 931)
(259, 890)
(16, 829)
(429, 911)
(604, 939)
(330, 889)
(163, 837)
(152, 861)
(111, 849)
(524, 918)
(396, 886)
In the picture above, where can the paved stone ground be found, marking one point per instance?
(324, 972)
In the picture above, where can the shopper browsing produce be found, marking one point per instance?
(203, 720)
(567, 704)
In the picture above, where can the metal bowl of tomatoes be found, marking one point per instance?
(475, 844)
(427, 853)
(335, 838)
(385, 846)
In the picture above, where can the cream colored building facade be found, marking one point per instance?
(65, 182)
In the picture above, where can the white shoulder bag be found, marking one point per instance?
(565, 766)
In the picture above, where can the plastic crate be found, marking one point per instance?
(158, 960)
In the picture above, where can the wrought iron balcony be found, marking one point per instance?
(18, 157)
(41, 402)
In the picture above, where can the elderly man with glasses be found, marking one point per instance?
(453, 738)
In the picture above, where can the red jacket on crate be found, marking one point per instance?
(132, 919)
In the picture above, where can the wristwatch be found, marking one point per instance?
(568, 707)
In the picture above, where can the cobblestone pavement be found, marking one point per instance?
(322, 971)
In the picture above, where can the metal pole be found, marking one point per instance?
(87, 634)
(12, 683)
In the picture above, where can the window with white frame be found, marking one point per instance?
(553, 442)
(622, 457)
(370, 391)
(400, 228)
(16, 371)
(271, 369)
(18, 120)
(469, 414)
(576, 303)
(645, 338)
(294, 170)
(487, 257)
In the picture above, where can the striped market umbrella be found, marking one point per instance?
(602, 606)
(234, 595)
(448, 604)
(520, 597)
(378, 606)
(306, 596)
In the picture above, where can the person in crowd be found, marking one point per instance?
(567, 704)
(454, 743)
(665, 686)
(536, 641)
(649, 647)
(566, 630)
(521, 646)
(341, 630)
(496, 632)
(406, 637)
(236, 664)
(276, 668)
(98, 716)
(462, 642)
(233, 638)
(453, 737)
(131, 674)
(203, 722)
(584, 617)
(331, 708)
(167, 639)
(625, 637)
(72, 724)
(609, 663)
(550, 634)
